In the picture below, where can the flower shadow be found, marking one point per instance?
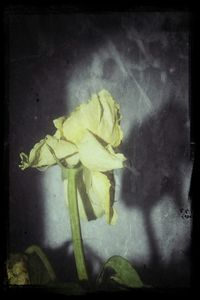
(159, 150)
(63, 262)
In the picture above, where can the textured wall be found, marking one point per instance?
(55, 63)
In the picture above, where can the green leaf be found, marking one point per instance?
(119, 271)
(40, 269)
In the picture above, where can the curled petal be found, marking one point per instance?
(59, 125)
(63, 150)
(114, 217)
(94, 195)
(109, 128)
(88, 209)
(41, 156)
(100, 116)
(59, 122)
(96, 157)
(24, 161)
(86, 116)
(98, 188)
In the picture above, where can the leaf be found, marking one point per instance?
(40, 269)
(118, 270)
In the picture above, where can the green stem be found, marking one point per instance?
(75, 224)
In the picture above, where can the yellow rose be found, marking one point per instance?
(87, 136)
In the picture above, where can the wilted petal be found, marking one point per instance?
(94, 196)
(95, 156)
(73, 127)
(98, 189)
(41, 156)
(63, 150)
(114, 217)
(59, 122)
(59, 125)
(109, 128)
(24, 161)
(100, 115)
(86, 116)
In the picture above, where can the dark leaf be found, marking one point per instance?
(117, 271)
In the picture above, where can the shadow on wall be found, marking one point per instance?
(30, 112)
(25, 211)
(63, 262)
(157, 149)
(44, 47)
(43, 50)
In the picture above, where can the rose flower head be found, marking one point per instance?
(86, 138)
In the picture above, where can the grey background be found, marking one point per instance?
(55, 63)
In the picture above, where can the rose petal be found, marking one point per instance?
(95, 156)
(41, 156)
(59, 125)
(100, 115)
(93, 195)
(98, 189)
(63, 150)
(109, 128)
